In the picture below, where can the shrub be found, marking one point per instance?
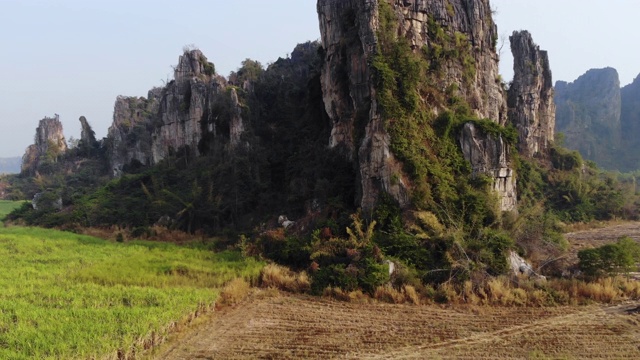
(610, 259)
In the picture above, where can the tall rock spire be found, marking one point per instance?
(530, 99)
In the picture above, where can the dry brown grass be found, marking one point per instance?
(234, 292)
(389, 295)
(282, 278)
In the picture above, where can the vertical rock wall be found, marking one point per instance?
(589, 115)
(489, 155)
(349, 39)
(531, 106)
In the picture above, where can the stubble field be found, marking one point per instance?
(271, 325)
(274, 326)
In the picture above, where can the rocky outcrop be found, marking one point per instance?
(49, 144)
(588, 114)
(349, 31)
(129, 137)
(468, 28)
(176, 117)
(87, 135)
(530, 98)
(236, 124)
(489, 155)
(186, 106)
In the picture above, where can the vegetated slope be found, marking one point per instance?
(289, 327)
(71, 296)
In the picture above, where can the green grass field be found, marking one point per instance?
(6, 207)
(66, 296)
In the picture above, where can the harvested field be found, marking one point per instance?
(271, 325)
(597, 237)
(292, 327)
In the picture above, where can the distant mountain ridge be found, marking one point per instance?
(10, 165)
(600, 119)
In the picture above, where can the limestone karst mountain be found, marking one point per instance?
(600, 119)
(450, 49)
(398, 119)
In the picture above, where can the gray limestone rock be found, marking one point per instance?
(531, 106)
(49, 144)
(588, 114)
(489, 155)
(349, 39)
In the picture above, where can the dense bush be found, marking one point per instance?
(610, 259)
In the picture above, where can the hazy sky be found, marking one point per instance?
(74, 57)
(579, 34)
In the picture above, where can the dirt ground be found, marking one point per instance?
(281, 326)
(271, 325)
(597, 237)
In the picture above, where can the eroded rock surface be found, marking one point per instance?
(531, 106)
(49, 144)
(489, 155)
(349, 38)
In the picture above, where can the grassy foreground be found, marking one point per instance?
(68, 296)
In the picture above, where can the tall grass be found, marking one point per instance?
(72, 296)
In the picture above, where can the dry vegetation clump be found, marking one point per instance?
(502, 291)
(234, 292)
(355, 296)
(282, 278)
(389, 295)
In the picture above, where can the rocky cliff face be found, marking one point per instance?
(489, 155)
(469, 26)
(349, 30)
(630, 119)
(530, 99)
(129, 137)
(588, 113)
(186, 106)
(49, 144)
(173, 118)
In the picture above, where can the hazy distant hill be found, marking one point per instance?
(10, 165)
(600, 119)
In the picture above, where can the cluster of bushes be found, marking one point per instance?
(610, 259)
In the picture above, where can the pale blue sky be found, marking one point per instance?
(579, 34)
(73, 57)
